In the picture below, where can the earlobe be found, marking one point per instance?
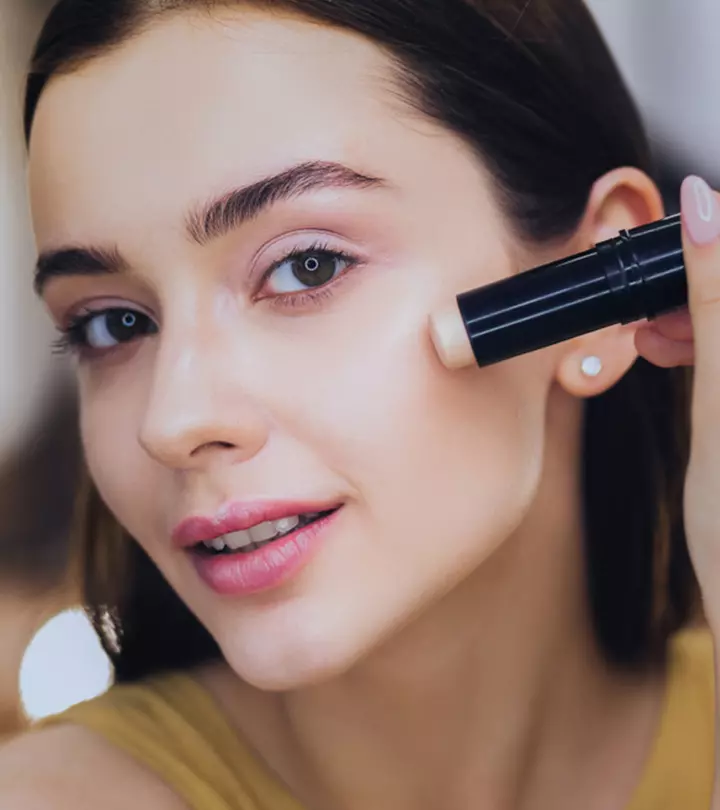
(622, 199)
(598, 361)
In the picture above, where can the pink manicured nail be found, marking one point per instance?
(701, 212)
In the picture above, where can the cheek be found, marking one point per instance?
(443, 466)
(428, 452)
(109, 419)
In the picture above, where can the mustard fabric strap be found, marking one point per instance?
(679, 774)
(174, 727)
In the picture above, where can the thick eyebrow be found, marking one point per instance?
(212, 220)
(76, 261)
(229, 212)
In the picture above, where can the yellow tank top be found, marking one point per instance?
(173, 726)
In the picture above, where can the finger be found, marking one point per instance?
(701, 243)
(675, 325)
(663, 351)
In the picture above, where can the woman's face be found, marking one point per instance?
(270, 355)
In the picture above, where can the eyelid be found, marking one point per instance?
(96, 306)
(297, 303)
(279, 248)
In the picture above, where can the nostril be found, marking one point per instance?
(215, 445)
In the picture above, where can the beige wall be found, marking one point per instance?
(669, 51)
(25, 334)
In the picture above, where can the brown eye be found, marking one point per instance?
(314, 269)
(110, 327)
(306, 270)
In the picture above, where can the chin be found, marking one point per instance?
(291, 658)
(287, 671)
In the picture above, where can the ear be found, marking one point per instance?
(624, 198)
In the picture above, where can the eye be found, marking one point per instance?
(306, 270)
(106, 329)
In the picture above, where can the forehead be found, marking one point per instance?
(193, 100)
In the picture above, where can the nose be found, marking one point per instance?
(199, 410)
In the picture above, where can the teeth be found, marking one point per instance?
(272, 528)
(237, 540)
(286, 524)
(260, 533)
(264, 531)
(218, 544)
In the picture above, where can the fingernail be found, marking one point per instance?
(701, 212)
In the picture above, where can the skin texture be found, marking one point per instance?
(437, 651)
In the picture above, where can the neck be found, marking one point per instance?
(482, 701)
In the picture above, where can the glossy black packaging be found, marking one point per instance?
(639, 274)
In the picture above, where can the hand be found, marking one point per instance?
(692, 337)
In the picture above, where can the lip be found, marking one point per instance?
(239, 516)
(269, 567)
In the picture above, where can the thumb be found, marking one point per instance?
(701, 243)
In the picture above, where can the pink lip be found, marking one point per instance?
(236, 517)
(268, 567)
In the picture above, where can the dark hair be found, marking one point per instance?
(38, 480)
(532, 88)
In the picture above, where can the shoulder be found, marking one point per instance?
(691, 699)
(692, 661)
(684, 761)
(68, 767)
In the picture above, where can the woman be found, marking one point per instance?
(245, 214)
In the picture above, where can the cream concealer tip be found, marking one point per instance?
(450, 338)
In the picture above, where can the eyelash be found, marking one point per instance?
(325, 291)
(73, 337)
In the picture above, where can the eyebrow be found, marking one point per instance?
(76, 261)
(212, 220)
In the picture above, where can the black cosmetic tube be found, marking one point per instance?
(638, 275)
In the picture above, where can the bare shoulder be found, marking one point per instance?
(68, 767)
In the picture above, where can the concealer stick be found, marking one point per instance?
(638, 275)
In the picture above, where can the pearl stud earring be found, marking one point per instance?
(592, 366)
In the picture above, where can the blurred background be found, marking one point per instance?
(669, 51)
